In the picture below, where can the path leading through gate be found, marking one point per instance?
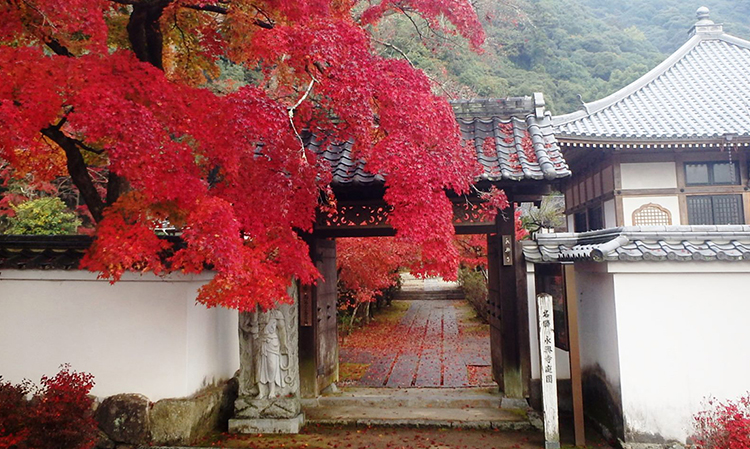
(419, 343)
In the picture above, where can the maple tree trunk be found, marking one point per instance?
(116, 186)
(78, 171)
(144, 32)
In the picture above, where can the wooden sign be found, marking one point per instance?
(508, 249)
(549, 371)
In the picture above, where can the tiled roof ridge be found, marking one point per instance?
(498, 107)
(572, 125)
(524, 145)
(644, 243)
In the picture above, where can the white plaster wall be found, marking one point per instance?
(571, 222)
(610, 217)
(562, 358)
(597, 321)
(648, 175)
(682, 337)
(631, 203)
(143, 334)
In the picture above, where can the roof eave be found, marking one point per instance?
(693, 141)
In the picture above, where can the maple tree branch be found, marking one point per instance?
(438, 83)
(416, 27)
(267, 24)
(77, 169)
(269, 21)
(291, 115)
(57, 47)
(50, 42)
(208, 8)
(391, 46)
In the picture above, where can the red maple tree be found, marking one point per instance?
(136, 87)
(368, 266)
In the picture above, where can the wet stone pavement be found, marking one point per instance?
(435, 343)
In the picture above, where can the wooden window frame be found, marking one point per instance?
(652, 206)
(709, 166)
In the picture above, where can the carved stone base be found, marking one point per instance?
(265, 425)
(276, 408)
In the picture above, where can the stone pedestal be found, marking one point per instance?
(268, 400)
(267, 425)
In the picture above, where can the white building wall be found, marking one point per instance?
(143, 334)
(682, 334)
(610, 216)
(648, 175)
(669, 202)
(597, 323)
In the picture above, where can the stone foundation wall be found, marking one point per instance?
(130, 420)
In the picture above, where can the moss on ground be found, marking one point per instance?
(349, 372)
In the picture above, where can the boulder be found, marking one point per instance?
(125, 418)
(103, 441)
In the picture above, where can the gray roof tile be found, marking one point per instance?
(518, 129)
(644, 243)
(701, 91)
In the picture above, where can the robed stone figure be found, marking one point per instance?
(269, 365)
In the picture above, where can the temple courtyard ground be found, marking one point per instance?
(418, 343)
(418, 376)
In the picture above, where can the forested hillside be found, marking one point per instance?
(563, 48)
(663, 21)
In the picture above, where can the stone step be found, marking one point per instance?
(473, 418)
(422, 295)
(391, 398)
(409, 296)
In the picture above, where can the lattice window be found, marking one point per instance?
(651, 214)
(715, 209)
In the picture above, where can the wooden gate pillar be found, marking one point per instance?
(508, 307)
(318, 332)
(494, 260)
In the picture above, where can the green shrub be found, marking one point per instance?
(474, 284)
(42, 216)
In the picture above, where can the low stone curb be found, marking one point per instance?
(417, 423)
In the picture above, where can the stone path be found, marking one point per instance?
(426, 348)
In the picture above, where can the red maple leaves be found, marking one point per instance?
(134, 90)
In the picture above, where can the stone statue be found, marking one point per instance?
(269, 370)
(264, 353)
(273, 360)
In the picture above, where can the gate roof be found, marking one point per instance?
(522, 147)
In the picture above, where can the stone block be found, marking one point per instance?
(125, 418)
(264, 425)
(185, 420)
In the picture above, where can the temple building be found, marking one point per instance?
(669, 149)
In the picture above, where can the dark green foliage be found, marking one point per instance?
(562, 48)
(666, 22)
